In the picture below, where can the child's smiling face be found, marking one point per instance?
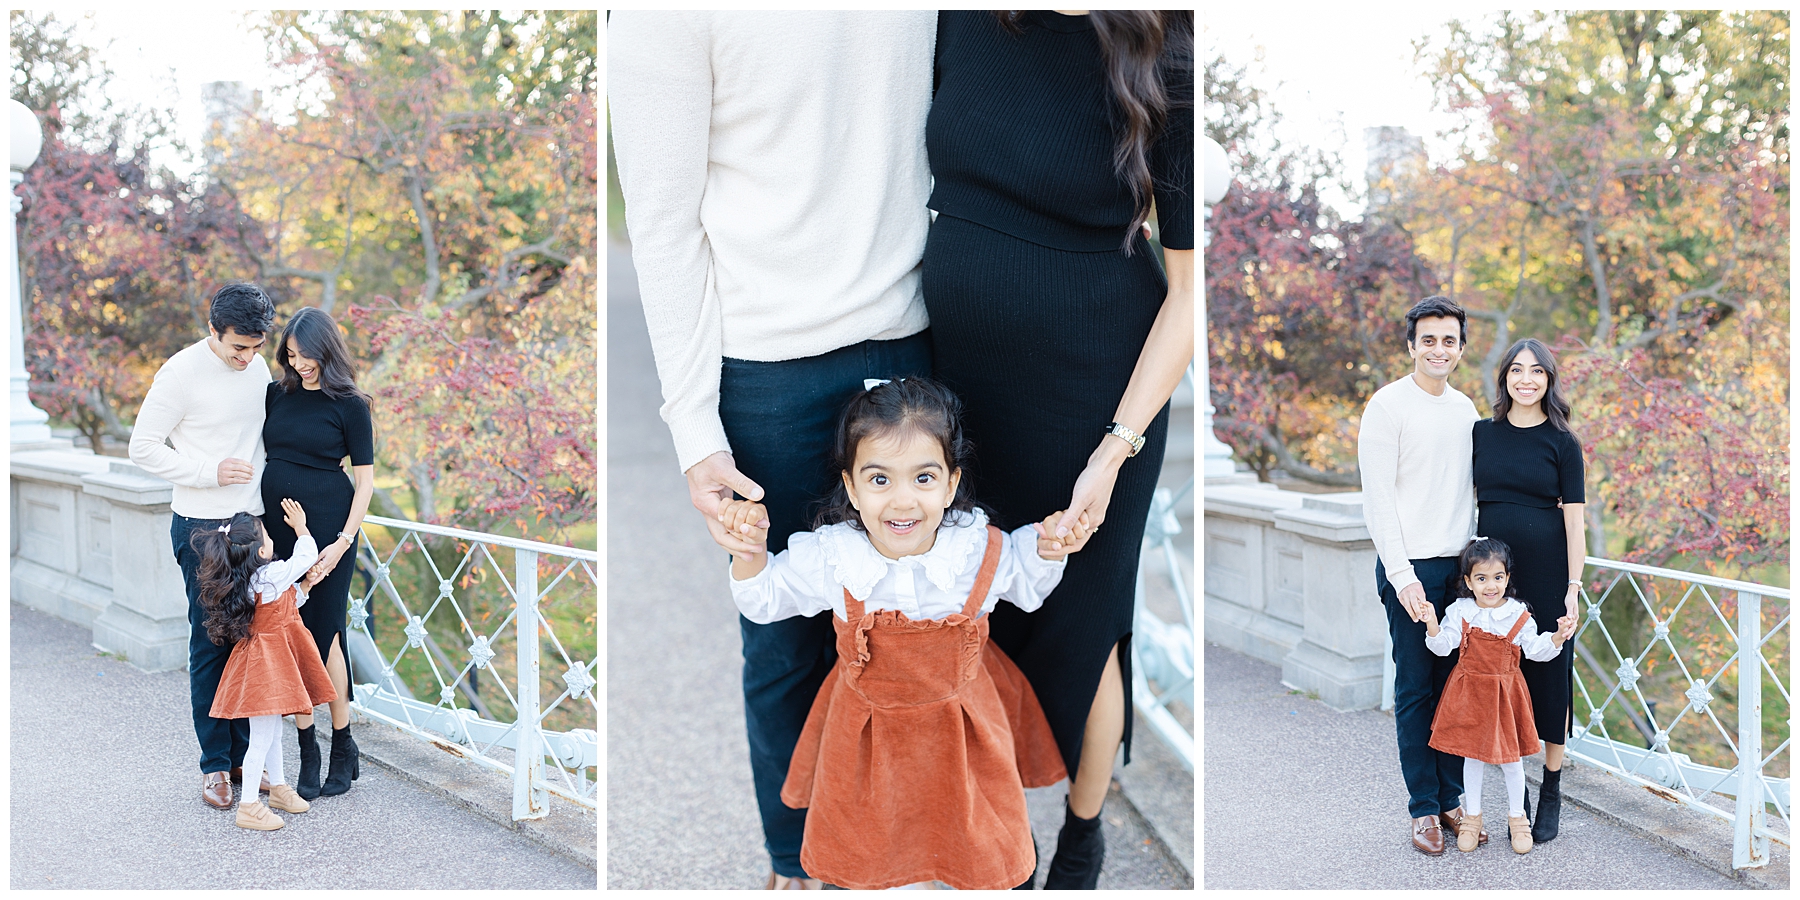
(1488, 580)
(901, 485)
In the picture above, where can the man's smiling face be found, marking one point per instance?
(1436, 347)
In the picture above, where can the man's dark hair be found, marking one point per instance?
(243, 308)
(1436, 308)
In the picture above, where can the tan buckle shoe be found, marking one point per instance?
(1521, 833)
(1468, 832)
(285, 799)
(257, 817)
(215, 790)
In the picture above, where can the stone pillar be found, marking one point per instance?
(1255, 601)
(91, 545)
(29, 425)
(147, 620)
(1340, 656)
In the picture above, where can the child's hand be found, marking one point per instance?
(1051, 547)
(293, 515)
(1565, 629)
(748, 521)
(1428, 615)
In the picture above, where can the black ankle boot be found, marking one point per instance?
(1080, 848)
(1549, 807)
(307, 785)
(346, 763)
(1036, 860)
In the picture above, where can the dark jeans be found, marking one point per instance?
(1433, 778)
(780, 418)
(222, 741)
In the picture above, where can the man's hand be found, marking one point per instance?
(711, 483)
(235, 471)
(1412, 599)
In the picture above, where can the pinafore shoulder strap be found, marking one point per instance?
(1518, 624)
(989, 562)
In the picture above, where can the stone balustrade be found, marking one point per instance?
(90, 544)
(1290, 579)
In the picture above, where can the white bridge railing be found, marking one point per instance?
(1163, 652)
(461, 718)
(1651, 761)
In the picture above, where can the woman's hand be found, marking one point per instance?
(1050, 546)
(328, 560)
(1093, 488)
(1572, 606)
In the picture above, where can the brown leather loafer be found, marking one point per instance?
(215, 790)
(1427, 836)
(1453, 819)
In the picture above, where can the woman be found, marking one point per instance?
(1527, 465)
(1050, 137)
(315, 418)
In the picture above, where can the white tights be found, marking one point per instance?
(264, 753)
(1513, 771)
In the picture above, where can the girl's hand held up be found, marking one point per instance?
(293, 515)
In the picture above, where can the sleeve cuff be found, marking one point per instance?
(696, 438)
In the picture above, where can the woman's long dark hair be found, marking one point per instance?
(902, 404)
(1149, 57)
(313, 329)
(1556, 406)
(227, 560)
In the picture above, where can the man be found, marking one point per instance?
(201, 428)
(775, 182)
(1419, 499)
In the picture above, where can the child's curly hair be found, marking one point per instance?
(901, 404)
(1480, 550)
(227, 560)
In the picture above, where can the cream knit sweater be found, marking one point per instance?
(210, 412)
(775, 182)
(1418, 475)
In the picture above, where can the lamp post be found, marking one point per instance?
(1216, 457)
(29, 424)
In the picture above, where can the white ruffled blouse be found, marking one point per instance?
(810, 576)
(272, 579)
(1499, 620)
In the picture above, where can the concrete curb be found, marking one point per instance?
(569, 831)
(1684, 833)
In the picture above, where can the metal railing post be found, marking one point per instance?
(529, 800)
(1748, 850)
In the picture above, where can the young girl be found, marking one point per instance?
(274, 670)
(1484, 715)
(913, 762)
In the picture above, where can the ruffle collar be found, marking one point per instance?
(858, 566)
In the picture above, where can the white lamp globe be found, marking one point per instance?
(1217, 170)
(27, 136)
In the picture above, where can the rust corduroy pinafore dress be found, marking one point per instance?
(1485, 712)
(915, 757)
(276, 670)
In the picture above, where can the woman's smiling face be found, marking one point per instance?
(901, 485)
(307, 369)
(1526, 380)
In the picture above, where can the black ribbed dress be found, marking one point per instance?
(307, 435)
(1520, 475)
(1038, 316)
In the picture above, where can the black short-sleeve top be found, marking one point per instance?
(313, 428)
(1536, 466)
(1021, 136)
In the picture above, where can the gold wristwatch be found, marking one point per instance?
(1128, 436)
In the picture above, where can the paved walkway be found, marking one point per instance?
(105, 795)
(1301, 796)
(680, 812)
